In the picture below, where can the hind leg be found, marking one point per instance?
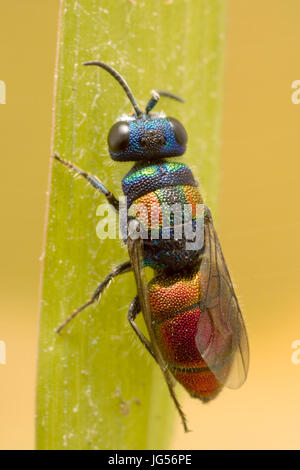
(134, 310)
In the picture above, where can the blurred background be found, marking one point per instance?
(258, 221)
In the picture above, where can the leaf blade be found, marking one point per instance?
(96, 386)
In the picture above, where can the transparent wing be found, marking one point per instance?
(221, 334)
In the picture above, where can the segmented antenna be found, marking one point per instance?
(122, 82)
(156, 94)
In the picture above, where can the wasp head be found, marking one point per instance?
(144, 135)
(151, 136)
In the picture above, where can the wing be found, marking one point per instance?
(135, 250)
(221, 334)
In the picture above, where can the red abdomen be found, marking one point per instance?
(174, 302)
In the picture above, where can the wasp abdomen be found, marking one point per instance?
(174, 303)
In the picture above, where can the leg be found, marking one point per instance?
(135, 249)
(123, 268)
(134, 310)
(93, 180)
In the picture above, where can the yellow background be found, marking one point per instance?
(258, 222)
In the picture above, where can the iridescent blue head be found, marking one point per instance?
(144, 135)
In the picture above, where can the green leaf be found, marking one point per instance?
(97, 387)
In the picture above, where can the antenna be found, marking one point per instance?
(156, 94)
(122, 82)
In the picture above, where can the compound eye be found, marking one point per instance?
(118, 137)
(179, 131)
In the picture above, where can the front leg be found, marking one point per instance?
(93, 180)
